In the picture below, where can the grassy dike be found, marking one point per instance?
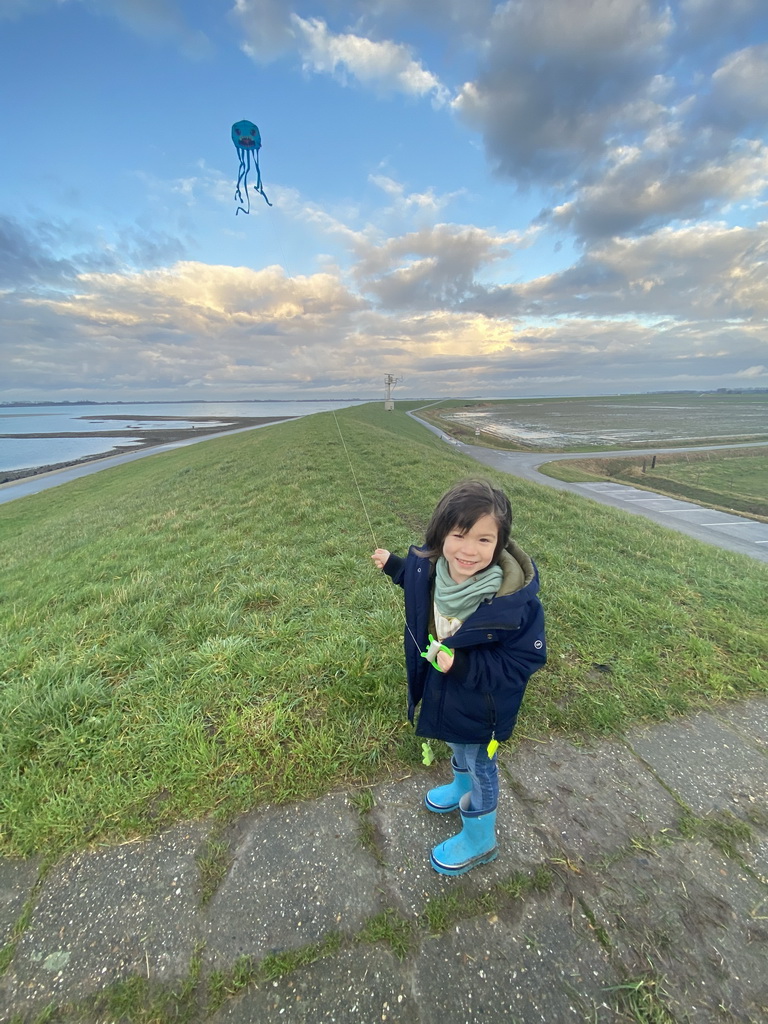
(203, 630)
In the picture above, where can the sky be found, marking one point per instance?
(482, 200)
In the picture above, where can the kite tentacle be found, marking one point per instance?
(259, 187)
(242, 178)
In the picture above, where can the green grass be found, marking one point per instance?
(734, 479)
(203, 631)
(642, 1000)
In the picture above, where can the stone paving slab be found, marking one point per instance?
(298, 872)
(749, 718)
(357, 986)
(589, 801)
(408, 832)
(706, 762)
(106, 915)
(696, 921)
(542, 963)
(536, 964)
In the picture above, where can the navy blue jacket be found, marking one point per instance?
(496, 650)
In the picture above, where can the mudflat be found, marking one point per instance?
(146, 438)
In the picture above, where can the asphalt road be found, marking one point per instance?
(722, 529)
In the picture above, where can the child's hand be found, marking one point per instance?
(380, 557)
(445, 661)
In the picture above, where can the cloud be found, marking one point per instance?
(267, 26)
(383, 65)
(235, 331)
(738, 99)
(52, 254)
(708, 271)
(434, 267)
(602, 109)
(386, 65)
(558, 79)
(600, 103)
(687, 305)
(165, 327)
(26, 260)
(427, 202)
(645, 187)
(448, 16)
(595, 101)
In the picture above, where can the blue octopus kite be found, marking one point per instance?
(247, 140)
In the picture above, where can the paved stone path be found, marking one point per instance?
(649, 857)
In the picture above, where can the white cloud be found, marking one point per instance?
(383, 65)
(434, 267)
(186, 322)
(698, 273)
(647, 186)
(415, 202)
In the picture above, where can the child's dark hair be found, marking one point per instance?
(461, 507)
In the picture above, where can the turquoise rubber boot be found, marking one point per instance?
(446, 798)
(474, 845)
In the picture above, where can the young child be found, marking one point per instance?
(474, 590)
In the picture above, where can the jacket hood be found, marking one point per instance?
(517, 568)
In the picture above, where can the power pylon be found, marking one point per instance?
(389, 383)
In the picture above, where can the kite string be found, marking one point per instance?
(370, 526)
(354, 477)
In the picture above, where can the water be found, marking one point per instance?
(30, 453)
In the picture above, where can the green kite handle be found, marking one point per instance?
(432, 651)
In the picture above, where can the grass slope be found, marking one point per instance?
(203, 630)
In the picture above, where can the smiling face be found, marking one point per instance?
(469, 552)
(246, 135)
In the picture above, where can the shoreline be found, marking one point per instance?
(146, 439)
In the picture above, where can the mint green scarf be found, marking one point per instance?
(459, 600)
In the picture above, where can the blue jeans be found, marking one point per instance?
(484, 772)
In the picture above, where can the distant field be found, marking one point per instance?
(605, 423)
(735, 479)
